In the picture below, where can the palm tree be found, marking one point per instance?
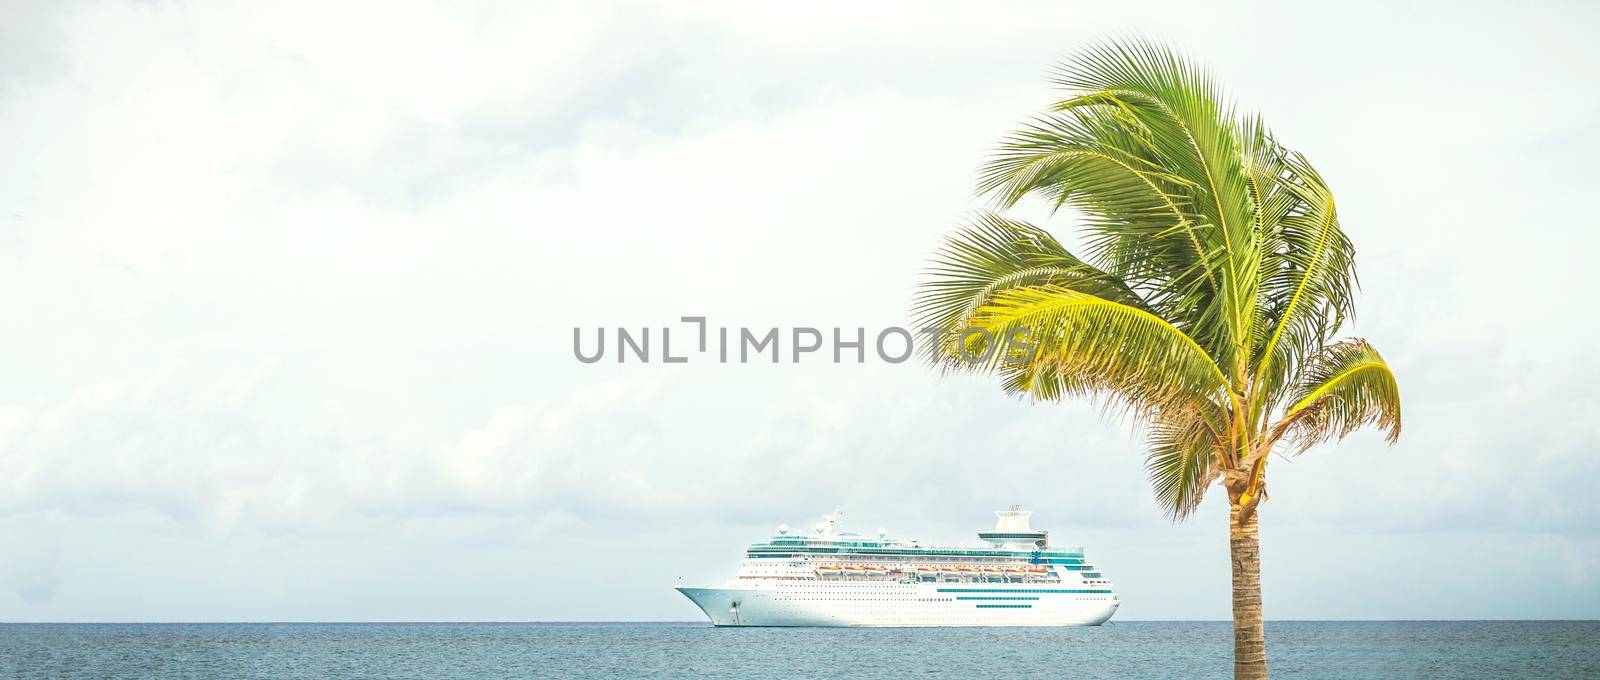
(1213, 278)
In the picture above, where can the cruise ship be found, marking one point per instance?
(824, 578)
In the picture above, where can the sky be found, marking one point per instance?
(291, 292)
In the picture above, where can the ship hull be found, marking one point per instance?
(891, 604)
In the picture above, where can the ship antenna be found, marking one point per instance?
(825, 527)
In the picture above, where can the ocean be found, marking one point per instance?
(1120, 649)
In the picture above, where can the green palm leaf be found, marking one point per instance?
(992, 254)
(1344, 388)
(1308, 275)
(1054, 341)
(1181, 459)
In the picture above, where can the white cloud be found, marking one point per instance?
(294, 297)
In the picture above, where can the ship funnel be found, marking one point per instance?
(1014, 519)
(1011, 529)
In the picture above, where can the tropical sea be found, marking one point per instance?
(1121, 649)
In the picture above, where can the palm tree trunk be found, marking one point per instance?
(1249, 639)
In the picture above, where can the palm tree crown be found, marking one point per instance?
(1214, 276)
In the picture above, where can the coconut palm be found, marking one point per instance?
(1204, 302)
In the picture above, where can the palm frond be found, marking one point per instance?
(1181, 458)
(1052, 341)
(992, 254)
(1345, 387)
(1141, 227)
(1145, 146)
(1308, 276)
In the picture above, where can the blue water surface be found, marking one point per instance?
(1122, 649)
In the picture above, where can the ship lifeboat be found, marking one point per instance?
(951, 571)
(875, 571)
(967, 570)
(829, 570)
(1038, 570)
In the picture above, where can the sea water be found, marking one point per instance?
(1120, 649)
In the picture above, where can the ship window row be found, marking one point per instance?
(919, 556)
(1080, 591)
(976, 550)
(920, 551)
(879, 600)
(1005, 606)
(1069, 565)
(986, 551)
(892, 545)
(996, 597)
(814, 598)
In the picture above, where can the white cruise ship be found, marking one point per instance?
(843, 579)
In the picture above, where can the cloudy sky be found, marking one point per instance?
(291, 293)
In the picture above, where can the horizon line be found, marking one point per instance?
(708, 625)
